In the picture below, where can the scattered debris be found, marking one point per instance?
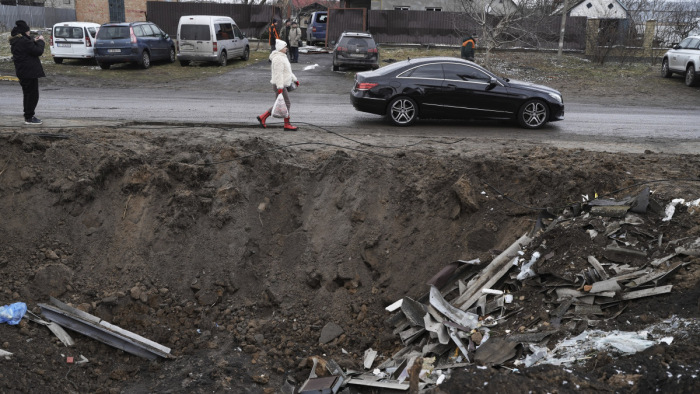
(13, 313)
(5, 354)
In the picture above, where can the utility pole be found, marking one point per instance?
(563, 29)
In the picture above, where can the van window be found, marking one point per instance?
(237, 32)
(321, 18)
(92, 31)
(195, 32)
(224, 31)
(68, 32)
(113, 32)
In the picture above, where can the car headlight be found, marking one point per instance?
(556, 97)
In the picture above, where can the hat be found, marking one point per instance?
(22, 27)
(294, 23)
(280, 45)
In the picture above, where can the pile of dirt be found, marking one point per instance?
(236, 253)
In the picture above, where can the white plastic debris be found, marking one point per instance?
(526, 270)
(508, 298)
(5, 354)
(492, 291)
(440, 379)
(671, 208)
(311, 67)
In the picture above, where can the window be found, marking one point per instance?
(68, 32)
(92, 31)
(402, 8)
(224, 31)
(460, 72)
(237, 32)
(322, 18)
(138, 31)
(147, 32)
(195, 32)
(113, 32)
(66, 1)
(693, 43)
(433, 9)
(429, 71)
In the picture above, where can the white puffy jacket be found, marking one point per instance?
(281, 70)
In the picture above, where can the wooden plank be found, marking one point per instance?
(647, 292)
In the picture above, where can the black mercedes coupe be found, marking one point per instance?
(451, 88)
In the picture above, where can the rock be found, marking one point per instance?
(50, 280)
(330, 332)
(51, 255)
(466, 195)
(135, 292)
(260, 379)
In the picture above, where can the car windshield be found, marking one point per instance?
(195, 32)
(68, 32)
(113, 32)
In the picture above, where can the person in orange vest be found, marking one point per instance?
(272, 36)
(468, 45)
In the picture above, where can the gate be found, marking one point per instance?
(116, 11)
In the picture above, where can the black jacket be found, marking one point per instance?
(26, 53)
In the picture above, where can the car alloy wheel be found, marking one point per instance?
(690, 78)
(533, 114)
(246, 54)
(145, 60)
(403, 111)
(222, 59)
(665, 72)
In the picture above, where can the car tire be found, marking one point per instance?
(104, 66)
(665, 71)
(691, 79)
(335, 67)
(533, 114)
(222, 59)
(145, 61)
(172, 55)
(402, 111)
(246, 54)
(58, 60)
(184, 63)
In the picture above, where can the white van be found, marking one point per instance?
(210, 38)
(73, 40)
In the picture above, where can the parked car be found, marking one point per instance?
(316, 29)
(683, 58)
(73, 40)
(355, 50)
(451, 88)
(137, 42)
(210, 38)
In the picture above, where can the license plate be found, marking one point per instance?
(63, 45)
(114, 50)
(357, 55)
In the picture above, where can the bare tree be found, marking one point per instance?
(503, 22)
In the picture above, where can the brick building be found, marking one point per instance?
(103, 11)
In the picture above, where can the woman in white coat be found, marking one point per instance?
(282, 79)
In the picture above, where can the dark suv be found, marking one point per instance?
(138, 42)
(355, 50)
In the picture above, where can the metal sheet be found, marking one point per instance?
(106, 333)
(456, 315)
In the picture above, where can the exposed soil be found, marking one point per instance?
(235, 250)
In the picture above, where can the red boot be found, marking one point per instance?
(288, 126)
(262, 119)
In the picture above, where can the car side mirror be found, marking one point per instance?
(492, 83)
(676, 46)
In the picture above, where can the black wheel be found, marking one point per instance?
(145, 60)
(335, 68)
(172, 55)
(690, 78)
(533, 114)
(403, 111)
(222, 59)
(184, 63)
(665, 71)
(58, 60)
(104, 66)
(246, 54)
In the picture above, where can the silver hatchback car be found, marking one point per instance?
(683, 58)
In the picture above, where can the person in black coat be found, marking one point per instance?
(26, 52)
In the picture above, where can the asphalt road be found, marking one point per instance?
(323, 100)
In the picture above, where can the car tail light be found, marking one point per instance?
(341, 49)
(215, 47)
(133, 36)
(372, 50)
(51, 40)
(313, 29)
(88, 42)
(366, 85)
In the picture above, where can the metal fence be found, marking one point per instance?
(39, 17)
(251, 19)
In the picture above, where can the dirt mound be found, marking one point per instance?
(237, 254)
